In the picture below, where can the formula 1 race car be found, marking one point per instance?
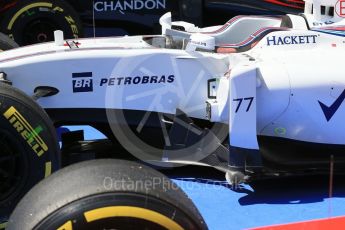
(257, 96)
(33, 21)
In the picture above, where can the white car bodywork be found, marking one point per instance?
(264, 77)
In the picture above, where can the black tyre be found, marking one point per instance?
(6, 43)
(35, 21)
(106, 194)
(29, 147)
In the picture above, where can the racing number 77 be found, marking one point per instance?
(240, 100)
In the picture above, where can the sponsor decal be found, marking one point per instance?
(198, 43)
(82, 82)
(280, 131)
(142, 80)
(323, 23)
(30, 135)
(340, 8)
(212, 88)
(128, 5)
(330, 110)
(291, 40)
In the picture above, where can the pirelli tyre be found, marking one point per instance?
(106, 194)
(35, 21)
(29, 148)
(6, 43)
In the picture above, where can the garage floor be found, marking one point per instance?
(267, 202)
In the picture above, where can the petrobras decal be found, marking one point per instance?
(82, 82)
(137, 80)
(128, 5)
(291, 40)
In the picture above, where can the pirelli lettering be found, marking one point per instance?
(29, 134)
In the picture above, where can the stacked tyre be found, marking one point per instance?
(29, 148)
(34, 21)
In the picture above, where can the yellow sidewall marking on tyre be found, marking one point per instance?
(3, 225)
(28, 7)
(48, 170)
(58, 9)
(66, 226)
(24, 128)
(134, 212)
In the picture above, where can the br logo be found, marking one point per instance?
(340, 8)
(82, 82)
